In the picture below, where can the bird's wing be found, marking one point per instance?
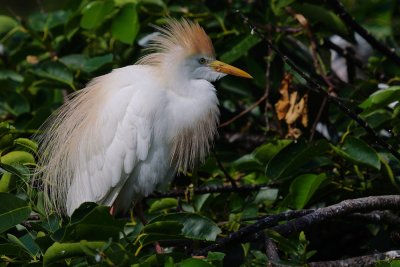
(123, 138)
(97, 139)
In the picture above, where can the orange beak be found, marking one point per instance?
(228, 69)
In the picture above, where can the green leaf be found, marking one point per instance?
(13, 210)
(8, 182)
(194, 226)
(278, 6)
(14, 103)
(303, 188)
(359, 152)
(83, 63)
(26, 242)
(9, 74)
(266, 152)
(95, 225)
(10, 249)
(163, 204)
(291, 158)
(319, 14)
(27, 144)
(22, 157)
(240, 49)
(163, 227)
(381, 98)
(125, 25)
(95, 13)
(6, 24)
(45, 21)
(59, 251)
(55, 71)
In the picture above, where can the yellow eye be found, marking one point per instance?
(202, 60)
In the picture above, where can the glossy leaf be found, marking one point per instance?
(382, 98)
(303, 188)
(17, 157)
(96, 225)
(82, 63)
(95, 13)
(12, 211)
(125, 25)
(55, 71)
(59, 251)
(291, 158)
(6, 23)
(163, 204)
(240, 49)
(194, 226)
(359, 152)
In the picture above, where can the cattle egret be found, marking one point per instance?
(128, 132)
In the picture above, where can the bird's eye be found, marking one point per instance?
(202, 60)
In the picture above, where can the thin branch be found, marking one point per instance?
(244, 112)
(365, 261)
(222, 168)
(210, 189)
(339, 9)
(316, 86)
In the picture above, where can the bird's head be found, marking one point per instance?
(184, 49)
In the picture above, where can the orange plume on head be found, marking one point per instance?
(185, 34)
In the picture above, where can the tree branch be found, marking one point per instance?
(306, 218)
(365, 261)
(339, 9)
(266, 222)
(210, 189)
(345, 207)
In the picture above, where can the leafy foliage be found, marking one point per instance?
(47, 55)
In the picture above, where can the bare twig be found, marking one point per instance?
(222, 168)
(350, 22)
(365, 261)
(244, 112)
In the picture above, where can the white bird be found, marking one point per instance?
(128, 132)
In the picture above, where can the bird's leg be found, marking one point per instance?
(139, 212)
(112, 210)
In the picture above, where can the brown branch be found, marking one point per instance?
(365, 261)
(244, 112)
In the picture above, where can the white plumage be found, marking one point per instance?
(128, 132)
